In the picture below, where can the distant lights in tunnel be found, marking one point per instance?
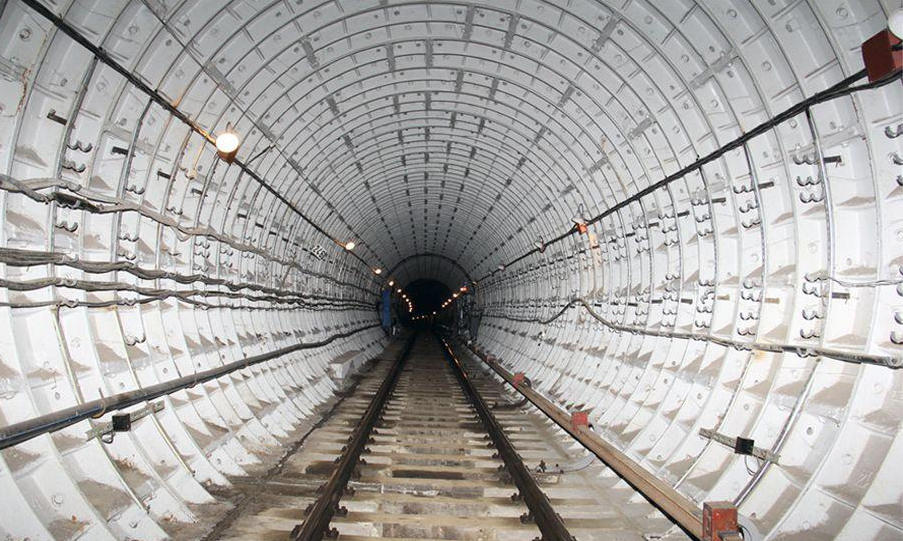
(350, 246)
(391, 283)
(227, 144)
(377, 271)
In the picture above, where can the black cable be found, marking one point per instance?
(17, 433)
(78, 201)
(29, 258)
(160, 100)
(886, 361)
(839, 89)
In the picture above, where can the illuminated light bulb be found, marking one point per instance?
(455, 295)
(895, 23)
(350, 246)
(227, 144)
(398, 291)
(391, 283)
(377, 271)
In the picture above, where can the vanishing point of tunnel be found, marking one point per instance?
(484, 270)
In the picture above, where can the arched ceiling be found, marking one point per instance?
(430, 267)
(474, 130)
(470, 129)
(756, 292)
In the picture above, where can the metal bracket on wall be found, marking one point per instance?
(105, 431)
(740, 445)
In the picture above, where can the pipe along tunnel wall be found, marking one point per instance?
(677, 216)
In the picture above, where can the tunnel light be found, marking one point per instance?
(391, 283)
(350, 246)
(398, 291)
(454, 295)
(227, 144)
(377, 271)
(895, 23)
(463, 289)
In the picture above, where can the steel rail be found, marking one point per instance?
(320, 514)
(17, 433)
(547, 520)
(677, 507)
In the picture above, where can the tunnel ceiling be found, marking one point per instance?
(740, 269)
(472, 130)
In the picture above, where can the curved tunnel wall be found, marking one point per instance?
(757, 294)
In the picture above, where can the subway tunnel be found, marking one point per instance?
(683, 219)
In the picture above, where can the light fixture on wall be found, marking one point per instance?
(227, 144)
(391, 283)
(895, 23)
(377, 271)
(350, 246)
(580, 220)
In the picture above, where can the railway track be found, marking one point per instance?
(417, 451)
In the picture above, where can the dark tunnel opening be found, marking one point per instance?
(427, 297)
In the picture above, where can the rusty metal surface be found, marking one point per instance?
(679, 508)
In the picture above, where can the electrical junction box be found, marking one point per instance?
(579, 418)
(518, 379)
(744, 446)
(122, 422)
(882, 55)
(719, 521)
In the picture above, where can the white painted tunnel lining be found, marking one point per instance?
(838, 423)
